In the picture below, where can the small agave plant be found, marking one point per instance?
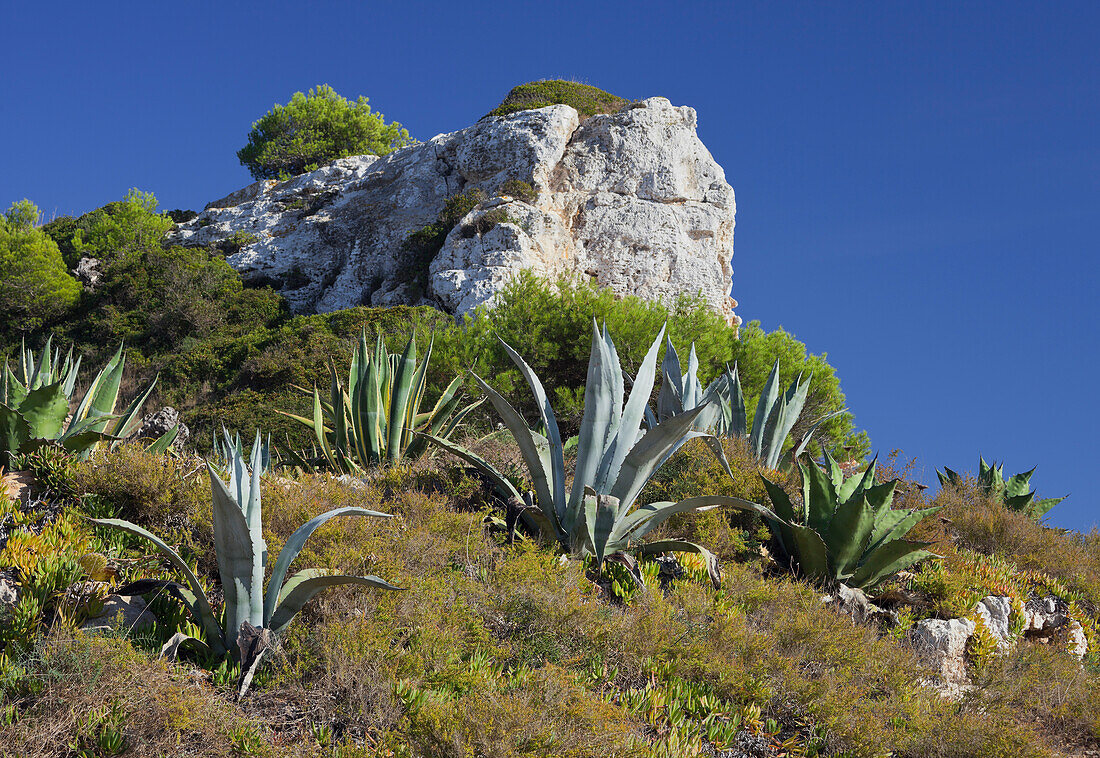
(844, 529)
(35, 403)
(726, 414)
(376, 417)
(1015, 492)
(615, 458)
(251, 616)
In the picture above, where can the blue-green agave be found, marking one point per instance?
(242, 562)
(375, 419)
(1015, 492)
(35, 406)
(615, 458)
(844, 529)
(726, 414)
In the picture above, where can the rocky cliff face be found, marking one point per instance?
(633, 199)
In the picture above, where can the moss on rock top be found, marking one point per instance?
(588, 100)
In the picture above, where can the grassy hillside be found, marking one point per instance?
(498, 649)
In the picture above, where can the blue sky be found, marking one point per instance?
(918, 184)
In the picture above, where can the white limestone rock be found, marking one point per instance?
(941, 643)
(996, 612)
(632, 199)
(479, 255)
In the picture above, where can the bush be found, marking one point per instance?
(315, 129)
(35, 287)
(588, 100)
(425, 243)
(520, 190)
(551, 326)
(119, 229)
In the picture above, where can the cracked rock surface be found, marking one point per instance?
(633, 199)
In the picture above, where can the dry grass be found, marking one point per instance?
(163, 709)
(490, 649)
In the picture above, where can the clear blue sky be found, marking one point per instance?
(918, 184)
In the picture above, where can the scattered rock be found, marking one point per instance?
(88, 272)
(17, 485)
(1047, 620)
(348, 480)
(9, 588)
(155, 425)
(634, 198)
(1043, 615)
(996, 612)
(748, 745)
(855, 603)
(942, 645)
(126, 612)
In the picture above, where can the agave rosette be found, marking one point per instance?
(615, 458)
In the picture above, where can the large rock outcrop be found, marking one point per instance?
(633, 199)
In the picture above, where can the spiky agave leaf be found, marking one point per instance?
(376, 418)
(196, 601)
(615, 457)
(1015, 492)
(294, 545)
(845, 529)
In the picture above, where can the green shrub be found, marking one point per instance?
(117, 230)
(35, 286)
(315, 129)
(587, 99)
(425, 243)
(520, 190)
(550, 325)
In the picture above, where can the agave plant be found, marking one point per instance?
(35, 402)
(844, 529)
(376, 418)
(615, 458)
(249, 612)
(1015, 492)
(229, 447)
(727, 415)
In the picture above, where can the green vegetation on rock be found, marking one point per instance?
(315, 129)
(586, 99)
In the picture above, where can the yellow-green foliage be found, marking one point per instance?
(155, 492)
(85, 684)
(988, 549)
(987, 526)
(588, 100)
(502, 650)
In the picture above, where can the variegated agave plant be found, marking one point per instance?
(615, 458)
(35, 406)
(844, 529)
(250, 615)
(726, 415)
(375, 418)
